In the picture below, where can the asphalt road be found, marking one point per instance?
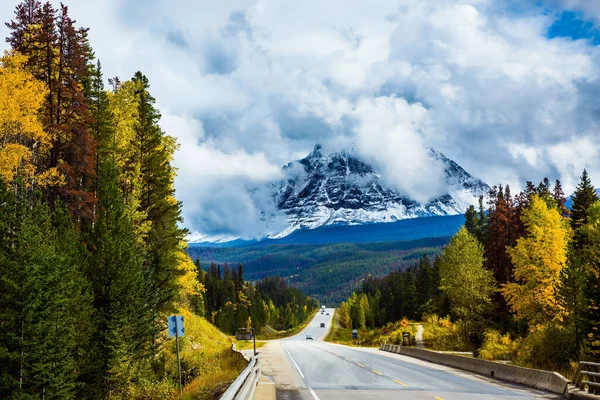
(329, 371)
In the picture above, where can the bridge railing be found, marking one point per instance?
(590, 370)
(245, 384)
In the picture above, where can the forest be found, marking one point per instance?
(328, 273)
(92, 256)
(230, 303)
(522, 275)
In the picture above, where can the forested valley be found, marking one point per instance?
(520, 281)
(230, 303)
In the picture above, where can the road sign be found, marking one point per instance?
(404, 323)
(176, 321)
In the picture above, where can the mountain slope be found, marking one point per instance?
(340, 189)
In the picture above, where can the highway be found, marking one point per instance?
(319, 370)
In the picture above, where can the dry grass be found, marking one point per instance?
(391, 333)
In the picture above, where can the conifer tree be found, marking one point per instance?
(583, 198)
(157, 197)
(121, 287)
(51, 304)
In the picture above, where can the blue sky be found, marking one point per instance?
(506, 88)
(574, 25)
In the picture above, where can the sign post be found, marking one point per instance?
(176, 329)
(254, 339)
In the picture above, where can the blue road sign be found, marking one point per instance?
(180, 329)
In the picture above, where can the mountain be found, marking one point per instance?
(339, 188)
(408, 229)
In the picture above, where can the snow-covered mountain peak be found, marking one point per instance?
(329, 188)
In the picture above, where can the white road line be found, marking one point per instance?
(314, 395)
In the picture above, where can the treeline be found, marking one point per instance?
(231, 303)
(405, 293)
(524, 265)
(91, 254)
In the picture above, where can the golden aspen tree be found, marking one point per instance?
(539, 258)
(22, 137)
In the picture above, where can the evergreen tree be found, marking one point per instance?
(157, 197)
(583, 198)
(472, 221)
(45, 290)
(121, 287)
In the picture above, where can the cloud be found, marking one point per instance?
(248, 85)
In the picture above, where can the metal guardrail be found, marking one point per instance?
(245, 384)
(592, 372)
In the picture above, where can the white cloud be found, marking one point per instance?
(249, 85)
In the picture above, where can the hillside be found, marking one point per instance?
(327, 272)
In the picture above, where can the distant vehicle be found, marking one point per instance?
(354, 334)
(323, 307)
(327, 314)
(322, 324)
(309, 337)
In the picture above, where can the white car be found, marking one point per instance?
(309, 337)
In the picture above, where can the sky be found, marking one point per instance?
(509, 89)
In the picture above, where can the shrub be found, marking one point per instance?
(443, 334)
(498, 347)
(550, 348)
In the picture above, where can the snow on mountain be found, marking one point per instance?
(340, 189)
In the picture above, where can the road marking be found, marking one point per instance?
(438, 398)
(377, 372)
(400, 383)
(314, 395)
(360, 365)
(347, 359)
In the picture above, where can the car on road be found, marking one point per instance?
(322, 324)
(327, 314)
(322, 307)
(309, 337)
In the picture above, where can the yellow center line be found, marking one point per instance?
(377, 372)
(438, 398)
(337, 355)
(360, 365)
(400, 383)
(347, 359)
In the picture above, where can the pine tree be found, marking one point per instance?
(48, 326)
(121, 287)
(59, 55)
(472, 221)
(157, 197)
(583, 198)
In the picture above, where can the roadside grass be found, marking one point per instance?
(271, 334)
(208, 364)
(391, 333)
(248, 344)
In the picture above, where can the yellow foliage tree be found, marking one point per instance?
(188, 279)
(539, 259)
(22, 137)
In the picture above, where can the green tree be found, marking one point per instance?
(125, 326)
(583, 198)
(462, 277)
(47, 325)
(157, 199)
(472, 221)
